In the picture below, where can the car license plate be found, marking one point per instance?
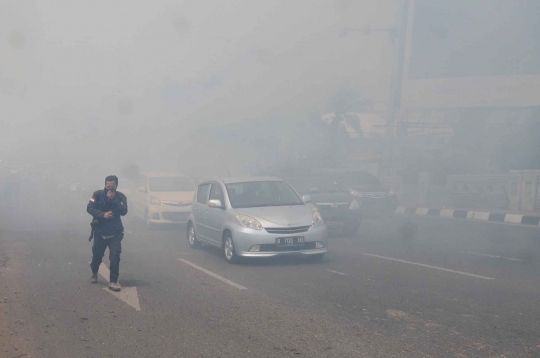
(290, 241)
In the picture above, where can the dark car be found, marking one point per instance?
(375, 197)
(339, 209)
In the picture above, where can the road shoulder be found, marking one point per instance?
(15, 337)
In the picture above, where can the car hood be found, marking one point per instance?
(280, 216)
(330, 198)
(376, 188)
(173, 196)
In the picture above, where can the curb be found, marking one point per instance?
(515, 219)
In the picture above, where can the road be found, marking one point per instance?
(459, 289)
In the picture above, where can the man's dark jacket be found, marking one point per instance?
(99, 204)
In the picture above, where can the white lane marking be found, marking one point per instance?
(128, 294)
(400, 210)
(447, 213)
(479, 215)
(494, 256)
(214, 275)
(104, 271)
(470, 214)
(513, 218)
(422, 211)
(339, 273)
(429, 266)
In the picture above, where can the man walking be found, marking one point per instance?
(106, 207)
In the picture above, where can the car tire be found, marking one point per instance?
(316, 257)
(192, 237)
(229, 251)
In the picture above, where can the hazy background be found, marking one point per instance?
(134, 81)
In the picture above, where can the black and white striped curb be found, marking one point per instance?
(472, 215)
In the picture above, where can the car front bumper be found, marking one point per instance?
(378, 207)
(244, 239)
(168, 214)
(342, 219)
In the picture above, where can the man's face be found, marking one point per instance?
(110, 185)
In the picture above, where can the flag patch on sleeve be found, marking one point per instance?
(92, 199)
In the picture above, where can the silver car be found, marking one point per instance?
(256, 217)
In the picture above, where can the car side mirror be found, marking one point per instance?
(142, 189)
(306, 199)
(215, 204)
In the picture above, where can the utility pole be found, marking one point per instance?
(399, 37)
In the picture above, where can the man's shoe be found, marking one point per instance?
(115, 286)
(93, 279)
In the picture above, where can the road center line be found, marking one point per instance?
(214, 275)
(429, 266)
(493, 256)
(339, 273)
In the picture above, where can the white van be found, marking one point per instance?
(162, 198)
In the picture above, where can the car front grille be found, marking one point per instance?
(287, 230)
(374, 195)
(273, 248)
(332, 210)
(177, 203)
(171, 216)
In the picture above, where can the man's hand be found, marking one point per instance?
(108, 215)
(111, 194)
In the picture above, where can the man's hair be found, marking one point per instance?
(113, 178)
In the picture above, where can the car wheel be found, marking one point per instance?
(192, 237)
(229, 250)
(316, 257)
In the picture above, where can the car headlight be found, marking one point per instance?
(354, 205)
(317, 219)
(156, 201)
(249, 223)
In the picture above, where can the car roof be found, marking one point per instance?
(243, 179)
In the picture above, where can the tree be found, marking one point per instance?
(340, 114)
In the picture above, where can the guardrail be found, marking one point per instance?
(479, 191)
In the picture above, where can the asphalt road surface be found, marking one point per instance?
(458, 289)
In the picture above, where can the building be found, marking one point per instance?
(472, 73)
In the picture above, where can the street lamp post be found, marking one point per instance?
(398, 36)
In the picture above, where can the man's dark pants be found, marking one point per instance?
(115, 248)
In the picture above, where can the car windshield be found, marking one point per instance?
(170, 184)
(262, 193)
(306, 185)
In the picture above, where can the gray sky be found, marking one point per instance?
(66, 66)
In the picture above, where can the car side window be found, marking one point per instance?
(216, 193)
(202, 193)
